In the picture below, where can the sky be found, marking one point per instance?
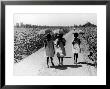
(58, 19)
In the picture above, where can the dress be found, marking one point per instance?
(61, 48)
(75, 48)
(76, 45)
(50, 51)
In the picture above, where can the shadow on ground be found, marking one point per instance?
(64, 67)
(86, 63)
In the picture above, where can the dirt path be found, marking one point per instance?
(35, 64)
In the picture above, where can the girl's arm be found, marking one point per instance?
(57, 43)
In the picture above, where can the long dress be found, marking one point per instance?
(50, 51)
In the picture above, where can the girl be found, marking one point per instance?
(61, 49)
(49, 47)
(76, 47)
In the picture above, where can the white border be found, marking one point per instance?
(100, 79)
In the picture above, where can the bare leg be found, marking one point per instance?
(74, 58)
(47, 62)
(61, 60)
(52, 61)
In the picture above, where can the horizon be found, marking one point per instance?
(56, 19)
(56, 25)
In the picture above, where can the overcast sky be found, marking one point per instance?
(56, 19)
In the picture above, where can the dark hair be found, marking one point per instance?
(75, 34)
(48, 36)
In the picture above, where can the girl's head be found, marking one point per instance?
(48, 36)
(75, 34)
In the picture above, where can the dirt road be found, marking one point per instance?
(35, 64)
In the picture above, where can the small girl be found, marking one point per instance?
(61, 49)
(76, 47)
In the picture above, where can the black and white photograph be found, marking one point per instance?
(55, 44)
